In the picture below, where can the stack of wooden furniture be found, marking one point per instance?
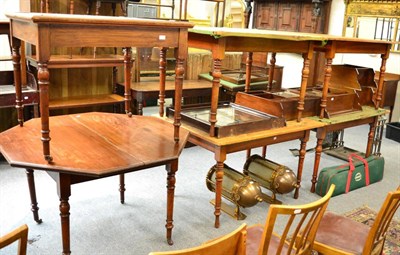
(53, 43)
(312, 109)
(252, 120)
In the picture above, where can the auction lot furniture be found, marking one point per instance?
(223, 146)
(333, 230)
(130, 143)
(368, 115)
(47, 31)
(298, 221)
(370, 112)
(19, 234)
(150, 89)
(233, 243)
(221, 40)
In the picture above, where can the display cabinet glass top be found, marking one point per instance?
(232, 119)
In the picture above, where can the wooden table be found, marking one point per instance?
(347, 45)
(150, 89)
(223, 146)
(368, 115)
(220, 40)
(47, 31)
(128, 143)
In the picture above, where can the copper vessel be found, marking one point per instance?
(241, 190)
(270, 175)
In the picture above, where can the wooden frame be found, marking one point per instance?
(356, 9)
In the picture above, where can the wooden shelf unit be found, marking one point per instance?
(84, 61)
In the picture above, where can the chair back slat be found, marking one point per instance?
(21, 235)
(377, 234)
(298, 234)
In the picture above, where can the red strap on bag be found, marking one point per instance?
(366, 169)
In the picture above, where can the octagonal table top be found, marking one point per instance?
(94, 144)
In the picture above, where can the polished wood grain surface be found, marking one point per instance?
(48, 31)
(94, 145)
(80, 140)
(252, 140)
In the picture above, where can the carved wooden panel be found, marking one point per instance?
(266, 17)
(288, 17)
(292, 15)
(308, 21)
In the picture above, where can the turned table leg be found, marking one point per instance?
(327, 78)
(32, 192)
(218, 192)
(64, 192)
(304, 78)
(249, 63)
(179, 73)
(220, 157)
(122, 188)
(163, 69)
(216, 73)
(171, 170)
(371, 136)
(271, 71)
(44, 81)
(302, 155)
(127, 76)
(321, 133)
(16, 60)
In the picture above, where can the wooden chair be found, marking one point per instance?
(233, 243)
(340, 235)
(20, 234)
(298, 233)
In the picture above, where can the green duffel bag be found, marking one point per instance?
(350, 176)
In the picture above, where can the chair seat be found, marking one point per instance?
(254, 236)
(332, 229)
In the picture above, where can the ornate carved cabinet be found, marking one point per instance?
(309, 16)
